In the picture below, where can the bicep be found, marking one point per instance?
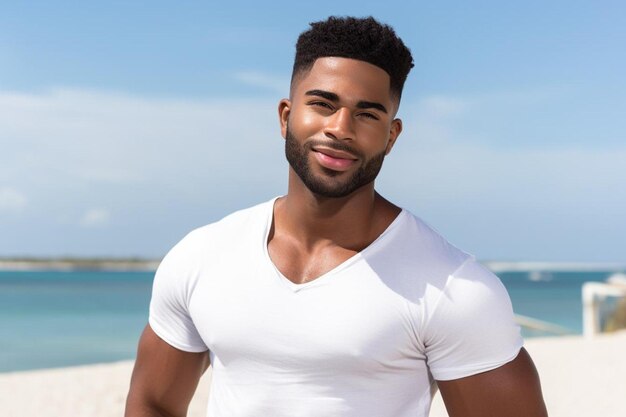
(164, 378)
(512, 390)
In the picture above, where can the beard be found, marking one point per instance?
(330, 184)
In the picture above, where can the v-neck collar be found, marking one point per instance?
(325, 277)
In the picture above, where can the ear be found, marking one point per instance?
(284, 108)
(394, 132)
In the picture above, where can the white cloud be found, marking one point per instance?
(67, 136)
(98, 139)
(95, 217)
(11, 199)
(431, 120)
(235, 35)
(451, 167)
(270, 82)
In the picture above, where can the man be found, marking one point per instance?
(332, 301)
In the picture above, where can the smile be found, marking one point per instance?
(335, 160)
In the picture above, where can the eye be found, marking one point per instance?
(369, 116)
(321, 104)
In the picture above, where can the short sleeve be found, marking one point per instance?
(472, 327)
(169, 314)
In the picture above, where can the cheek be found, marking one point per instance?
(308, 120)
(304, 123)
(375, 136)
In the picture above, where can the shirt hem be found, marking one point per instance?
(456, 373)
(167, 339)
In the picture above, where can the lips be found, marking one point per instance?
(334, 159)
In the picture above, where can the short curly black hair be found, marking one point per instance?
(364, 39)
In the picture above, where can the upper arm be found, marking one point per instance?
(164, 378)
(511, 390)
(471, 328)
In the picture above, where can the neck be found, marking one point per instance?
(353, 221)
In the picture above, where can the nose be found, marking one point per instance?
(340, 125)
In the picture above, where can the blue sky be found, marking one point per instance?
(123, 126)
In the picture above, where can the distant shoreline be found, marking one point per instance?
(133, 264)
(524, 266)
(78, 264)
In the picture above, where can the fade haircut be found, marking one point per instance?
(364, 39)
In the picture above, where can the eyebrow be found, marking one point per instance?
(335, 98)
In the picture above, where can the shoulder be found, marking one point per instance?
(412, 252)
(435, 247)
(463, 315)
(459, 284)
(470, 327)
(210, 241)
(256, 216)
(231, 228)
(435, 259)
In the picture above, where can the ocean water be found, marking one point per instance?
(54, 319)
(551, 296)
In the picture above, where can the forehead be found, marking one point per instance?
(350, 79)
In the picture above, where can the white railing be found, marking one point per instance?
(541, 326)
(593, 295)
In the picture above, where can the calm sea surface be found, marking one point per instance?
(51, 319)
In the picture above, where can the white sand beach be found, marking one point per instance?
(579, 378)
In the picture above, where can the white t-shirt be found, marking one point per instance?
(368, 338)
